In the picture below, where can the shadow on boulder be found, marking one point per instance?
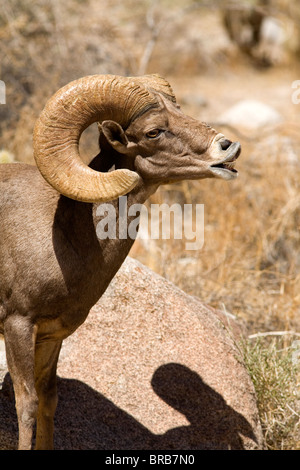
(86, 420)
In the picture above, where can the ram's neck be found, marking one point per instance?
(92, 240)
(116, 223)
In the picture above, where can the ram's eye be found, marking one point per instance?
(154, 133)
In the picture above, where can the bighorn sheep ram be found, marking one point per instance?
(53, 266)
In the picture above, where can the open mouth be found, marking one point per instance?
(225, 168)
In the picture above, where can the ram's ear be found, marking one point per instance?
(116, 137)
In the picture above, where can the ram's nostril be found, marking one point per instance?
(225, 144)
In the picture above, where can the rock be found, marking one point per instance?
(153, 368)
(251, 114)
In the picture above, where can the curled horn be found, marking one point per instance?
(69, 112)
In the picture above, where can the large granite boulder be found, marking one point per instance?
(151, 368)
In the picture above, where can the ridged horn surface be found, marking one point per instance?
(158, 84)
(69, 112)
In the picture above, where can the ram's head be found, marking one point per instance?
(141, 122)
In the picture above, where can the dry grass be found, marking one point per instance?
(250, 262)
(274, 371)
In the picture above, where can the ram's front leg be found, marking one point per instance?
(46, 357)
